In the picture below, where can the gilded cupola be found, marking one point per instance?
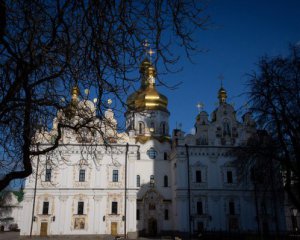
(147, 97)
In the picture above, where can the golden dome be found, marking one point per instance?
(222, 95)
(147, 97)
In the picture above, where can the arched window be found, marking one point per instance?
(138, 180)
(81, 175)
(163, 128)
(141, 128)
(226, 128)
(231, 208)
(165, 181)
(152, 181)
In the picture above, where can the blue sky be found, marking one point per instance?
(242, 31)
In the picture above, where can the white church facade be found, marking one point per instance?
(145, 181)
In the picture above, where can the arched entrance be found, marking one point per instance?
(152, 226)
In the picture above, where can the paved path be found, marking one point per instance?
(16, 236)
(9, 235)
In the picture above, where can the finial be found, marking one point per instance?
(200, 106)
(146, 45)
(150, 52)
(221, 78)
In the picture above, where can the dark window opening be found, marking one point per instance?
(138, 181)
(165, 181)
(48, 175)
(163, 127)
(198, 176)
(152, 181)
(45, 208)
(81, 175)
(115, 176)
(80, 208)
(141, 128)
(166, 214)
(165, 156)
(229, 177)
(138, 214)
(199, 208)
(138, 156)
(114, 208)
(231, 208)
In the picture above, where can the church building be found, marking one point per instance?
(147, 180)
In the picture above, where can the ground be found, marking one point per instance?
(16, 235)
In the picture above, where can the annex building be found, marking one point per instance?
(146, 180)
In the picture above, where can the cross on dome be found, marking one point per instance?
(200, 106)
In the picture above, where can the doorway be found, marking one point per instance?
(152, 227)
(44, 228)
(114, 228)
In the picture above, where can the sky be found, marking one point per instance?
(241, 32)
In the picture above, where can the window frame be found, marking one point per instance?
(229, 176)
(80, 208)
(115, 175)
(81, 175)
(198, 176)
(114, 207)
(48, 174)
(166, 181)
(45, 208)
(231, 208)
(199, 208)
(138, 180)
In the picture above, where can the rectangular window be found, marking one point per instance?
(138, 214)
(229, 177)
(115, 176)
(166, 214)
(152, 181)
(45, 208)
(198, 176)
(165, 181)
(81, 175)
(114, 208)
(48, 175)
(231, 208)
(80, 208)
(138, 180)
(199, 208)
(165, 156)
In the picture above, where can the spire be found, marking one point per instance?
(147, 70)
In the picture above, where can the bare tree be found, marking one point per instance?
(275, 102)
(48, 47)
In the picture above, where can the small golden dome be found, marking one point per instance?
(222, 95)
(147, 97)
